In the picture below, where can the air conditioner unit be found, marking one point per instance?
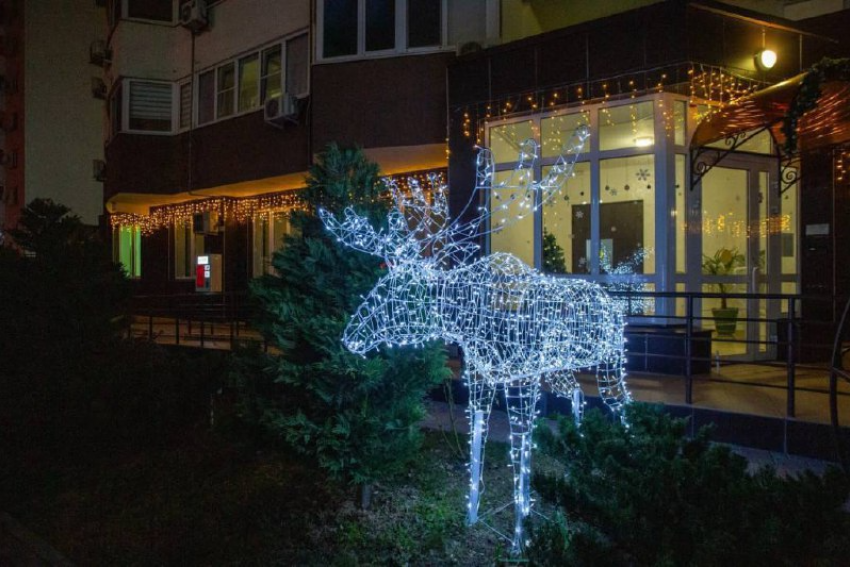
(193, 15)
(207, 222)
(98, 170)
(98, 88)
(99, 54)
(281, 109)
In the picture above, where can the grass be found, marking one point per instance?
(209, 500)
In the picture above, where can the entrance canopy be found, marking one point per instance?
(827, 124)
(812, 108)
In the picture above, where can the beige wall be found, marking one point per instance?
(163, 51)
(63, 122)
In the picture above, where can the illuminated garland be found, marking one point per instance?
(241, 210)
(515, 326)
(809, 93)
(703, 84)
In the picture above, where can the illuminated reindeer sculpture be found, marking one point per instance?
(515, 325)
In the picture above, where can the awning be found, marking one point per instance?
(826, 125)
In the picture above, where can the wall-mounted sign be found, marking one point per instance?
(817, 229)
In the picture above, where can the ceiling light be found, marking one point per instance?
(644, 141)
(765, 59)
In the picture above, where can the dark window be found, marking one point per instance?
(206, 97)
(185, 105)
(340, 28)
(150, 106)
(380, 25)
(160, 10)
(424, 23)
(297, 51)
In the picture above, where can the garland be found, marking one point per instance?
(810, 91)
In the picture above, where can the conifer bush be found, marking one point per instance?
(356, 415)
(648, 495)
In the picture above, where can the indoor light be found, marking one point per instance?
(765, 59)
(644, 141)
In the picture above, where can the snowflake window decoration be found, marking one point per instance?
(515, 326)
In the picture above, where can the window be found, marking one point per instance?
(270, 82)
(562, 252)
(268, 233)
(627, 126)
(127, 249)
(340, 28)
(249, 86)
(115, 111)
(150, 106)
(185, 105)
(206, 97)
(159, 10)
(187, 246)
(297, 66)
(424, 23)
(225, 90)
(360, 27)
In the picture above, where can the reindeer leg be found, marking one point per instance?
(565, 384)
(610, 376)
(480, 403)
(521, 400)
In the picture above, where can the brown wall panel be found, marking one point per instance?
(398, 101)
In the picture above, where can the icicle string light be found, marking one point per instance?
(515, 325)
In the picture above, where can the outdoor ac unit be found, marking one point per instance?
(281, 109)
(206, 223)
(99, 54)
(98, 88)
(98, 167)
(193, 15)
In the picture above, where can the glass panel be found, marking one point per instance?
(681, 302)
(727, 329)
(206, 97)
(557, 130)
(763, 224)
(297, 65)
(225, 90)
(270, 83)
(159, 10)
(627, 213)
(187, 246)
(249, 86)
(680, 213)
(380, 25)
(185, 105)
(562, 252)
(724, 222)
(679, 125)
(127, 247)
(788, 222)
(518, 234)
(281, 229)
(505, 140)
(759, 144)
(260, 257)
(340, 28)
(628, 126)
(424, 23)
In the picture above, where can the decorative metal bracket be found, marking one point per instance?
(705, 158)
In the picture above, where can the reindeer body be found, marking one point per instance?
(516, 326)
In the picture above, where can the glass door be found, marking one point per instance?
(734, 246)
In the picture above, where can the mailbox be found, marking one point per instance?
(208, 273)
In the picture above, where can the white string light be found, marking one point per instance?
(516, 326)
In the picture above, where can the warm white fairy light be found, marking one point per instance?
(516, 326)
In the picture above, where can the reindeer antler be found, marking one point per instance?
(358, 233)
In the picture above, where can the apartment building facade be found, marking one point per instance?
(216, 111)
(51, 114)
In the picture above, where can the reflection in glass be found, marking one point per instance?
(558, 225)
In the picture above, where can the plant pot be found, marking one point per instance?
(725, 320)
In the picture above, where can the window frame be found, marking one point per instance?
(184, 225)
(126, 86)
(400, 40)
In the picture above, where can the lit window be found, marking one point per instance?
(127, 249)
(271, 78)
(150, 106)
(187, 246)
(627, 126)
(249, 88)
(225, 90)
(268, 235)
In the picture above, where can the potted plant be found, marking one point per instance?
(723, 263)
